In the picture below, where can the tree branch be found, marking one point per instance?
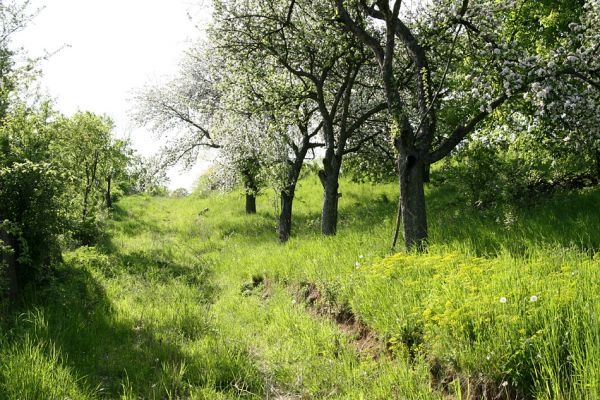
(462, 131)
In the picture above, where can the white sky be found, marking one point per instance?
(114, 47)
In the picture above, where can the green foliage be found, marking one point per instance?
(560, 155)
(32, 189)
(53, 182)
(484, 175)
(374, 161)
(487, 173)
(508, 319)
(543, 24)
(144, 175)
(85, 146)
(180, 192)
(32, 193)
(156, 310)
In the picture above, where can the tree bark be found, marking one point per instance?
(108, 194)
(329, 214)
(285, 217)
(251, 189)
(412, 197)
(598, 166)
(284, 229)
(250, 203)
(10, 263)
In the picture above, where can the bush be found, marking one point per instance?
(485, 176)
(490, 174)
(31, 195)
(179, 193)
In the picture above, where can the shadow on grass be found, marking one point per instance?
(118, 355)
(130, 224)
(159, 265)
(563, 219)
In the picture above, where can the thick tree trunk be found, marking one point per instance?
(329, 177)
(250, 203)
(412, 197)
(9, 262)
(329, 214)
(108, 189)
(285, 217)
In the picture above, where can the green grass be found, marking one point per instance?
(176, 305)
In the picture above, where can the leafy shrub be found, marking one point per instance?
(485, 176)
(32, 198)
(489, 174)
(179, 193)
(54, 182)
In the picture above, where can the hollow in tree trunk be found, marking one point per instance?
(285, 217)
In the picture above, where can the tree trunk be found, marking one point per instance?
(250, 203)
(86, 195)
(329, 214)
(10, 263)
(329, 177)
(598, 166)
(108, 195)
(427, 177)
(285, 217)
(251, 189)
(412, 197)
(284, 229)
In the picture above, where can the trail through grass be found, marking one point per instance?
(178, 302)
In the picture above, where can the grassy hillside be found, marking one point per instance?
(183, 302)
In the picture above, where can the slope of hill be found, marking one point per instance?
(191, 298)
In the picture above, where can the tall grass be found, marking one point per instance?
(180, 303)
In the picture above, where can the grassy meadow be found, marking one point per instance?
(189, 298)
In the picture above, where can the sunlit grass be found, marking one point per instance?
(167, 305)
